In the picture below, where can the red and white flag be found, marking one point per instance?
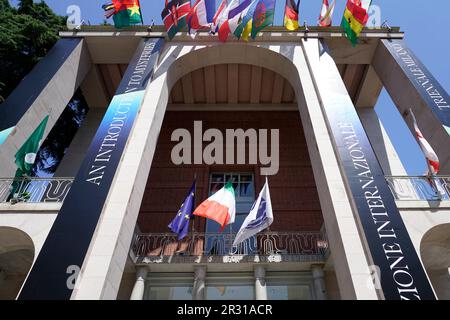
(202, 15)
(326, 14)
(430, 155)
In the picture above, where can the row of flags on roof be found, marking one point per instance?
(221, 207)
(240, 18)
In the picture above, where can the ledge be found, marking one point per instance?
(429, 205)
(30, 208)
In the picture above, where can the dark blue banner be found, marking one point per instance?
(425, 83)
(396, 265)
(70, 236)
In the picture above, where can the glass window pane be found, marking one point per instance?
(230, 292)
(288, 292)
(169, 293)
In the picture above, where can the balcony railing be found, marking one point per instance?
(34, 190)
(420, 188)
(164, 246)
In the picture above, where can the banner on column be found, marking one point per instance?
(21, 99)
(425, 83)
(54, 273)
(402, 275)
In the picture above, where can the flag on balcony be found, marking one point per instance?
(124, 12)
(202, 15)
(326, 14)
(355, 19)
(245, 21)
(430, 155)
(175, 16)
(180, 224)
(259, 218)
(220, 207)
(26, 155)
(263, 16)
(233, 16)
(291, 15)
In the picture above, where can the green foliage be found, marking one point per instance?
(26, 35)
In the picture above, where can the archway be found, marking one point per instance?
(435, 253)
(16, 258)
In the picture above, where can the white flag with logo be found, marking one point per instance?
(259, 218)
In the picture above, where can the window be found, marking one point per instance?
(285, 286)
(169, 287)
(230, 287)
(244, 189)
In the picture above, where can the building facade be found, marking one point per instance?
(349, 222)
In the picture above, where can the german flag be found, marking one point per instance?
(175, 16)
(291, 15)
(354, 20)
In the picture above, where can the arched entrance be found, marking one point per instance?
(16, 258)
(435, 252)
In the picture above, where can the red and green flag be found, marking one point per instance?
(263, 16)
(354, 20)
(175, 16)
(125, 13)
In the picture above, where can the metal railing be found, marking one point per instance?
(34, 190)
(221, 244)
(420, 188)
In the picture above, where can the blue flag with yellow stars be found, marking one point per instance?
(180, 224)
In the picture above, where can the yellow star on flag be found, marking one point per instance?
(134, 10)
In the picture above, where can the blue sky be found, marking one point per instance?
(424, 22)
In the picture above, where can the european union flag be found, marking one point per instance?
(180, 224)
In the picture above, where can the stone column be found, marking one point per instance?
(198, 292)
(319, 282)
(260, 283)
(139, 285)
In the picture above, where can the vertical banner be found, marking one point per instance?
(63, 253)
(402, 276)
(22, 98)
(430, 90)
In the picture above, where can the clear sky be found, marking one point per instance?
(424, 22)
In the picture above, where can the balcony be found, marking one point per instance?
(34, 190)
(199, 247)
(409, 188)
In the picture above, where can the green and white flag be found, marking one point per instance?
(26, 155)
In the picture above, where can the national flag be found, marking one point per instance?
(26, 155)
(431, 156)
(259, 218)
(202, 15)
(175, 16)
(219, 16)
(246, 17)
(125, 12)
(234, 13)
(291, 15)
(180, 224)
(263, 16)
(326, 14)
(220, 207)
(354, 20)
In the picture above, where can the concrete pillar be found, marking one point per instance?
(319, 282)
(46, 90)
(260, 283)
(412, 86)
(77, 150)
(198, 292)
(139, 285)
(381, 143)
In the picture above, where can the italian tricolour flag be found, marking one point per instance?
(220, 207)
